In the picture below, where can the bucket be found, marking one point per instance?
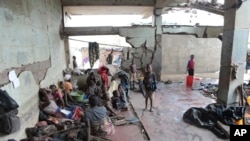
(77, 96)
(189, 81)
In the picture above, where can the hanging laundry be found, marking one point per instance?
(93, 53)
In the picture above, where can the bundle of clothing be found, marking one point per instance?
(94, 53)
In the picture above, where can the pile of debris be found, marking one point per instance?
(208, 89)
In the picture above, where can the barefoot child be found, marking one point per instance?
(148, 81)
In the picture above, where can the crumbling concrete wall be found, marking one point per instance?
(169, 53)
(31, 46)
(142, 40)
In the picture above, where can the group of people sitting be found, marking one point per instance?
(57, 102)
(98, 85)
(101, 104)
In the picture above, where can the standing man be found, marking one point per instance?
(74, 62)
(76, 70)
(190, 65)
(110, 57)
(133, 71)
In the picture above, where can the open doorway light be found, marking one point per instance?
(78, 46)
(107, 20)
(191, 17)
(89, 16)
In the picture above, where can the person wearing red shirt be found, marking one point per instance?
(104, 71)
(190, 65)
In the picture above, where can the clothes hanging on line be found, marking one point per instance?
(94, 53)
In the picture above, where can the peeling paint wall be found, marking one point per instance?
(30, 44)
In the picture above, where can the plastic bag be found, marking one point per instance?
(10, 122)
(208, 117)
(200, 117)
(6, 102)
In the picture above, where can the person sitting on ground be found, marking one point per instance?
(63, 92)
(117, 101)
(67, 83)
(124, 81)
(97, 119)
(61, 87)
(106, 101)
(57, 96)
(123, 94)
(51, 108)
(104, 72)
(91, 76)
(68, 88)
(100, 90)
(92, 89)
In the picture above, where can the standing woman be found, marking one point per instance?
(190, 65)
(148, 81)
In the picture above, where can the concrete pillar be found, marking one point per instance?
(158, 20)
(234, 49)
(67, 51)
(157, 55)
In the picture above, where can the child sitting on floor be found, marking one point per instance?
(57, 96)
(117, 101)
(92, 89)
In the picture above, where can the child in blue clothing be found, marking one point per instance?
(122, 93)
(118, 102)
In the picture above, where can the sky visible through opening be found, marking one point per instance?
(192, 17)
(174, 17)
